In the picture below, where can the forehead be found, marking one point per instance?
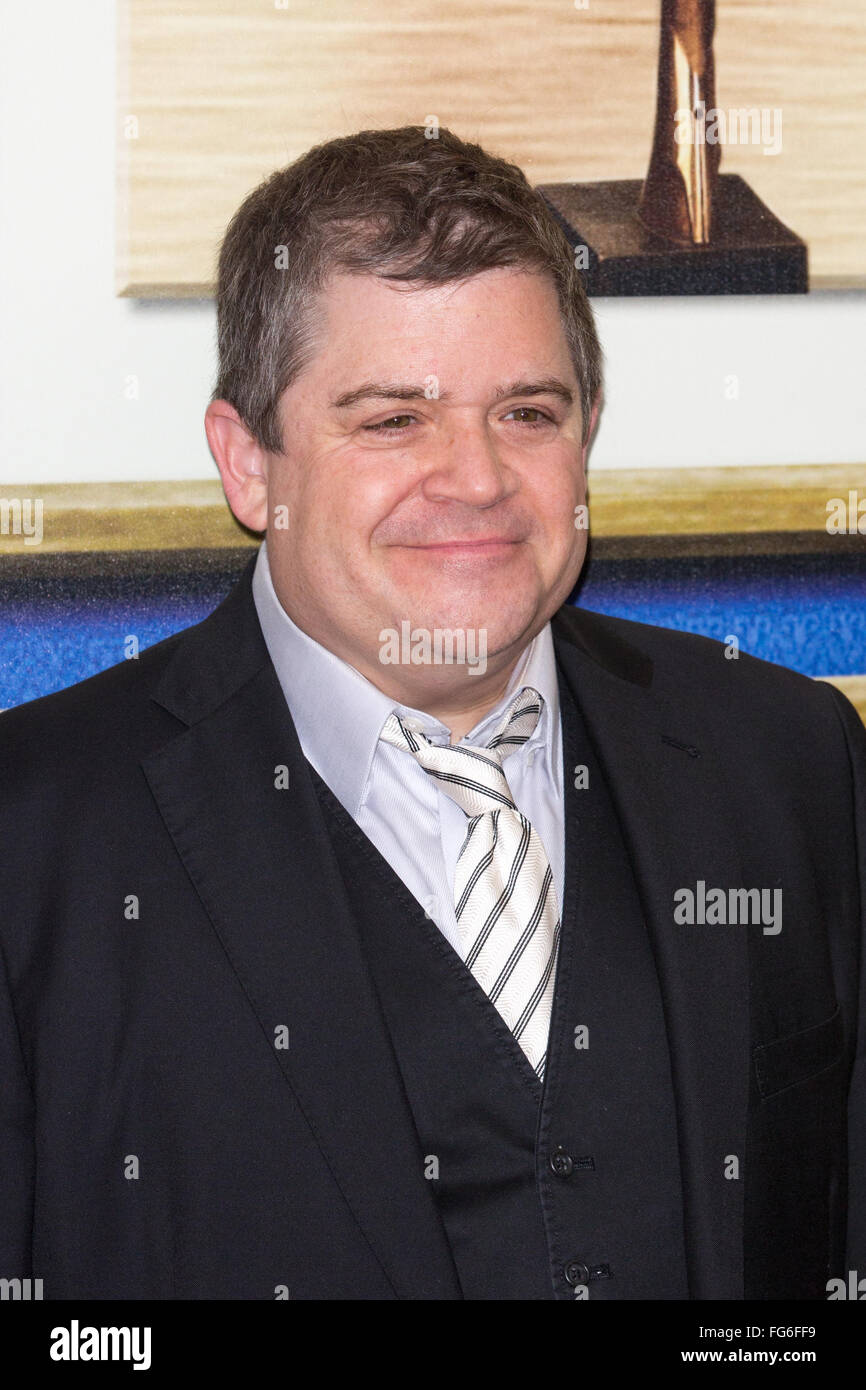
(508, 314)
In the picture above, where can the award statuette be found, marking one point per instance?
(687, 229)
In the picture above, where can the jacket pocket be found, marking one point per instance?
(799, 1056)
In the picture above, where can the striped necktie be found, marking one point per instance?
(504, 898)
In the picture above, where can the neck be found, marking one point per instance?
(460, 716)
(459, 704)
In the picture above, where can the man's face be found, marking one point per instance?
(454, 508)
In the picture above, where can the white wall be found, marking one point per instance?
(67, 344)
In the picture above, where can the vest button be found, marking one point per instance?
(576, 1273)
(561, 1163)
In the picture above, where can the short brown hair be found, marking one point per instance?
(387, 202)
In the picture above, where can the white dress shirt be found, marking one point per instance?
(419, 830)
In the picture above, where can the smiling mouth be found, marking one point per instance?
(486, 543)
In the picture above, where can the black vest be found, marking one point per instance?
(570, 1190)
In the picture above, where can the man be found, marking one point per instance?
(401, 931)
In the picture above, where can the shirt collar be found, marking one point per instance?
(324, 693)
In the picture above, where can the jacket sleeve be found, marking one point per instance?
(17, 1145)
(856, 1233)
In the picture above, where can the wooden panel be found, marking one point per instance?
(224, 91)
(809, 61)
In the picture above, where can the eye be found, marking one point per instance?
(543, 419)
(388, 427)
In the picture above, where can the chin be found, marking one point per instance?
(504, 611)
(501, 627)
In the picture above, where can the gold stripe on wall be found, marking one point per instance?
(852, 686)
(718, 501)
(181, 515)
(626, 505)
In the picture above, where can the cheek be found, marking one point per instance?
(343, 505)
(372, 496)
(552, 498)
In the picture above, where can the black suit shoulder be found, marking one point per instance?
(74, 727)
(704, 679)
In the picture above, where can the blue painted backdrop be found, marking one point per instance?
(807, 612)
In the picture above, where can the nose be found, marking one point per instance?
(468, 468)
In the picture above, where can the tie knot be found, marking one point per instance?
(473, 777)
(519, 721)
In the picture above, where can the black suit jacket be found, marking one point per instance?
(199, 1097)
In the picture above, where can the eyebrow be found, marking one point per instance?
(400, 391)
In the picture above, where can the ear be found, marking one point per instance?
(242, 463)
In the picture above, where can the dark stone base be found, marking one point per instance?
(752, 252)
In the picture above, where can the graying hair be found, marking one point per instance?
(386, 202)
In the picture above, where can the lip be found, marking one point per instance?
(488, 543)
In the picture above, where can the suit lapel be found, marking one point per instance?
(667, 787)
(258, 855)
